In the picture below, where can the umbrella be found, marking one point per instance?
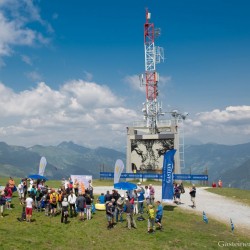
(125, 186)
(37, 176)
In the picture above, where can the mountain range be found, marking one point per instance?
(229, 163)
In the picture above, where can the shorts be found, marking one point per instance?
(53, 205)
(80, 210)
(158, 218)
(28, 211)
(21, 195)
(8, 200)
(109, 217)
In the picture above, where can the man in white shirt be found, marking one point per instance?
(29, 206)
(20, 192)
(147, 195)
(72, 201)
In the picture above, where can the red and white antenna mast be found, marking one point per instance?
(153, 55)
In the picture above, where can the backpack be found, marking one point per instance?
(53, 198)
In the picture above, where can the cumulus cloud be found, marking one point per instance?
(81, 111)
(228, 126)
(135, 82)
(15, 16)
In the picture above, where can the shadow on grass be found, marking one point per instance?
(169, 208)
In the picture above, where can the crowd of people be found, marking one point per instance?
(68, 201)
(36, 195)
(130, 204)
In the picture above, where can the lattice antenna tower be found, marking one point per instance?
(152, 109)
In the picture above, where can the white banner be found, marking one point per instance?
(83, 181)
(119, 166)
(42, 165)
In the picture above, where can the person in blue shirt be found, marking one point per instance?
(101, 198)
(159, 213)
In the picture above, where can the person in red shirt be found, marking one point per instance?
(8, 195)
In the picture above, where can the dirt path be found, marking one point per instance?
(216, 206)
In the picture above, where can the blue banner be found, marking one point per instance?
(184, 177)
(167, 176)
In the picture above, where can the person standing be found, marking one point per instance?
(151, 218)
(29, 207)
(128, 209)
(119, 207)
(193, 195)
(8, 196)
(147, 195)
(135, 196)
(109, 214)
(159, 214)
(220, 183)
(152, 194)
(12, 184)
(76, 187)
(72, 201)
(2, 203)
(20, 192)
(140, 200)
(65, 210)
(80, 204)
(53, 202)
(88, 206)
(91, 189)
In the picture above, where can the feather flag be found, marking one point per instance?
(205, 219)
(42, 165)
(232, 225)
(119, 166)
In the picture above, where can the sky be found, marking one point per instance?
(69, 69)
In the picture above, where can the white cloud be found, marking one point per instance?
(90, 114)
(84, 112)
(228, 126)
(134, 82)
(15, 15)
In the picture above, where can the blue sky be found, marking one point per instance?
(69, 69)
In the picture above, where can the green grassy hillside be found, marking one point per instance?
(182, 230)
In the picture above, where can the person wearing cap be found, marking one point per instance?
(65, 210)
(128, 209)
(119, 206)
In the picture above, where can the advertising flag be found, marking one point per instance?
(42, 165)
(119, 166)
(167, 176)
(205, 219)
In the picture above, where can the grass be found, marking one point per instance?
(182, 230)
(236, 194)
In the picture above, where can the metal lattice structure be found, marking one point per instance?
(153, 55)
